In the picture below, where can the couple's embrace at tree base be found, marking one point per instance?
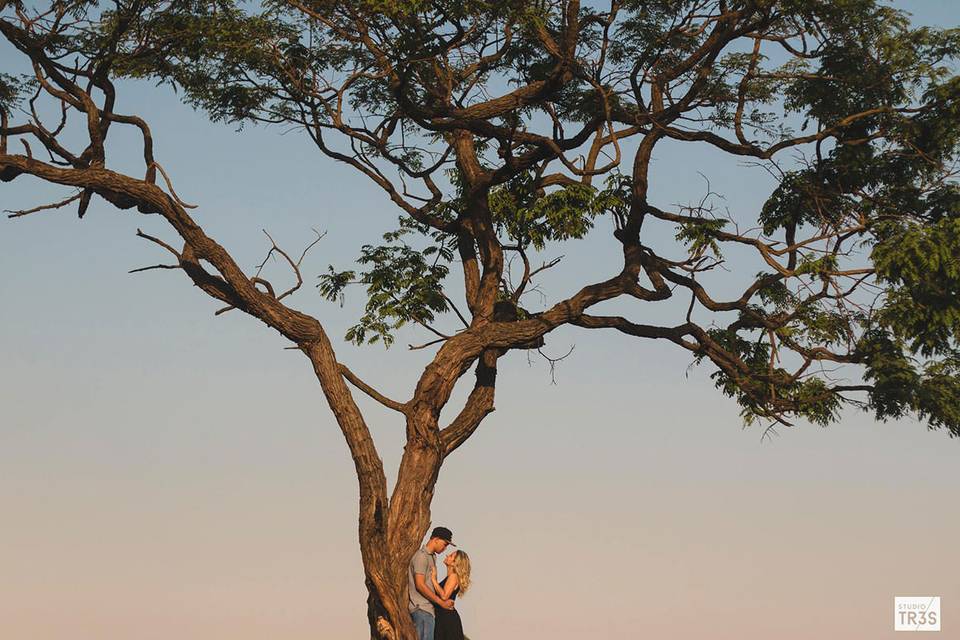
(431, 603)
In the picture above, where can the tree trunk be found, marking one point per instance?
(390, 531)
(387, 559)
(384, 623)
(386, 570)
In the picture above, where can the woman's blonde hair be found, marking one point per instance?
(461, 566)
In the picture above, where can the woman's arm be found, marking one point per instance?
(448, 588)
(436, 585)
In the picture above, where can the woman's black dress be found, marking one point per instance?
(448, 625)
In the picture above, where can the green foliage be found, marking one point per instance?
(813, 400)
(701, 236)
(806, 198)
(938, 395)
(11, 90)
(883, 95)
(776, 294)
(824, 327)
(817, 267)
(922, 265)
(765, 390)
(403, 285)
(902, 385)
(201, 48)
(528, 216)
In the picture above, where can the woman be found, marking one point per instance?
(448, 625)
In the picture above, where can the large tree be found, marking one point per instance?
(499, 129)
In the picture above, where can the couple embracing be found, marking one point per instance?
(432, 603)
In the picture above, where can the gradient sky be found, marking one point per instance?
(168, 474)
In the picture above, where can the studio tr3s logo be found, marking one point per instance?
(916, 614)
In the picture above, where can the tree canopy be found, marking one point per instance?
(532, 104)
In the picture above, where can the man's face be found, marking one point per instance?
(441, 545)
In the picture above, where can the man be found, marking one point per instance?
(420, 587)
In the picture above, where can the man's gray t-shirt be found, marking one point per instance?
(420, 563)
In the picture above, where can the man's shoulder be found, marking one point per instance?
(421, 555)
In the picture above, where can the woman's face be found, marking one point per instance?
(449, 559)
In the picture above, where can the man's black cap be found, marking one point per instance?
(444, 534)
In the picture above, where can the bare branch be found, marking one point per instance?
(553, 362)
(370, 391)
(156, 266)
(159, 242)
(294, 265)
(173, 193)
(426, 344)
(45, 207)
